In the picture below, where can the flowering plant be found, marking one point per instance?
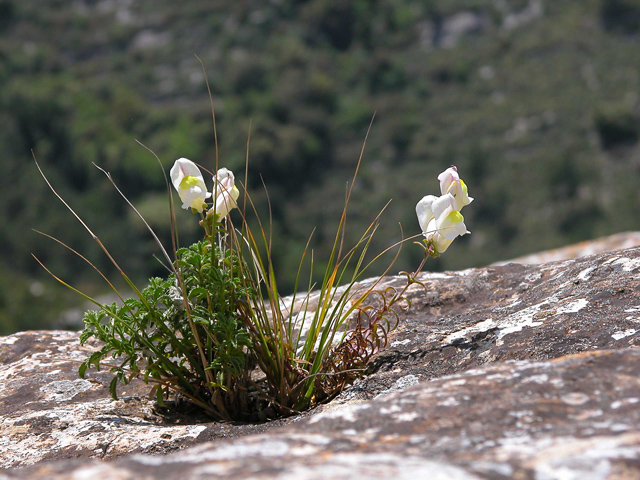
(216, 331)
(439, 217)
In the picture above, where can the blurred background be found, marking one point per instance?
(536, 102)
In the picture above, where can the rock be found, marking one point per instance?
(458, 25)
(588, 247)
(149, 40)
(515, 371)
(47, 412)
(521, 419)
(532, 11)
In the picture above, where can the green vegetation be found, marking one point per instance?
(197, 347)
(217, 333)
(539, 109)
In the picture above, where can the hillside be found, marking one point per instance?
(535, 101)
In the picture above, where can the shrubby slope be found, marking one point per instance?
(535, 101)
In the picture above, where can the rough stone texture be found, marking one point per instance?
(515, 371)
(47, 412)
(524, 419)
(588, 247)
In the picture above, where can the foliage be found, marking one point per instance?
(196, 346)
(201, 332)
(532, 105)
(621, 15)
(311, 356)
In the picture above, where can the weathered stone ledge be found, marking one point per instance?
(503, 372)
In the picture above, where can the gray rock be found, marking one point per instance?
(458, 25)
(515, 371)
(589, 247)
(47, 412)
(532, 11)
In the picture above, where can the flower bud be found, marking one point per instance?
(450, 182)
(226, 193)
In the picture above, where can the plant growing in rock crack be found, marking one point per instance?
(441, 222)
(217, 332)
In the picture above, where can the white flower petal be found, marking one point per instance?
(461, 194)
(446, 178)
(452, 226)
(441, 244)
(189, 183)
(226, 192)
(424, 211)
(442, 206)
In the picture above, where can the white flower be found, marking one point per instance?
(188, 181)
(226, 192)
(450, 182)
(424, 211)
(439, 220)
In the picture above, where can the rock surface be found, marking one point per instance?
(521, 419)
(47, 412)
(515, 371)
(618, 241)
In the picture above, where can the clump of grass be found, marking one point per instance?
(217, 332)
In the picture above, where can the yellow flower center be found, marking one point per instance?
(188, 182)
(454, 217)
(464, 187)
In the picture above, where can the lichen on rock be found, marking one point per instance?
(500, 372)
